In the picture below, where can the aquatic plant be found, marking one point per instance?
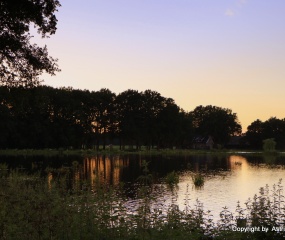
(146, 177)
(172, 178)
(32, 209)
(198, 180)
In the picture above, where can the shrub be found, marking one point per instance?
(172, 178)
(269, 145)
(198, 180)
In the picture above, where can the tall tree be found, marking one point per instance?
(273, 128)
(255, 134)
(129, 111)
(220, 123)
(6, 118)
(103, 109)
(21, 62)
(169, 127)
(152, 106)
(186, 130)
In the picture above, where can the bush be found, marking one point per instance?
(198, 180)
(269, 145)
(172, 178)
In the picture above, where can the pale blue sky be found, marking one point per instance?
(228, 53)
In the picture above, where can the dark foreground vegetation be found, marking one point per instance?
(45, 117)
(32, 207)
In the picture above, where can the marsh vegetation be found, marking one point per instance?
(198, 180)
(33, 207)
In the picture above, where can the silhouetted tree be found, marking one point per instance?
(254, 134)
(103, 115)
(21, 62)
(169, 124)
(273, 128)
(46, 117)
(186, 130)
(6, 118)
(152, 105)
(220, 123)
(129, 112)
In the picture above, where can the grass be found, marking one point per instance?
(31, 207)
(198, 180)
(116, 150)
(172, 178)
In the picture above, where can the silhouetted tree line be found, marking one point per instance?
(258, 131)
(46, 117)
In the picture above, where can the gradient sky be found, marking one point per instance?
(227, 53)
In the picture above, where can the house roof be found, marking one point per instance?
(200, 139)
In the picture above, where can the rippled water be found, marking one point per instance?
(226, 188)
(228, 179)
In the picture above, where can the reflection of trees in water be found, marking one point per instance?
(208, 163)
(267, 160)
(270, 159)
(237, 162)
(97, 171)
(113, 170)
(104, 169)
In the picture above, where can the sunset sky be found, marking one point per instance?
(227, 53)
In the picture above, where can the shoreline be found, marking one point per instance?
(117, 151)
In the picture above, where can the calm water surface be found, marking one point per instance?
(241, 181)
(228, 179)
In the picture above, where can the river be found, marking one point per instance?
(228, 178)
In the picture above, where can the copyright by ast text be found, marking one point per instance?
(258, 229)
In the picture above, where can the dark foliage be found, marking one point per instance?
(46, 117)
(273, 128)
(21, 61)
(220, 123)
(44, 208)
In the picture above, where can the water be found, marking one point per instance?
(241, 181)
(228, 179)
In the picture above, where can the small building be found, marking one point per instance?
(202, 142)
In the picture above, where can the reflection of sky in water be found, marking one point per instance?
(239, 184)
(222, 188)
(228, 179)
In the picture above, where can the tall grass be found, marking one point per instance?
(198, 180)
(172, 178)
(30, 208)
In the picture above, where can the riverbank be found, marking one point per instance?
(40, 208)
(116, 151)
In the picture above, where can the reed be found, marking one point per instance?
(172, 178)
(198, 180)
(33, 208)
